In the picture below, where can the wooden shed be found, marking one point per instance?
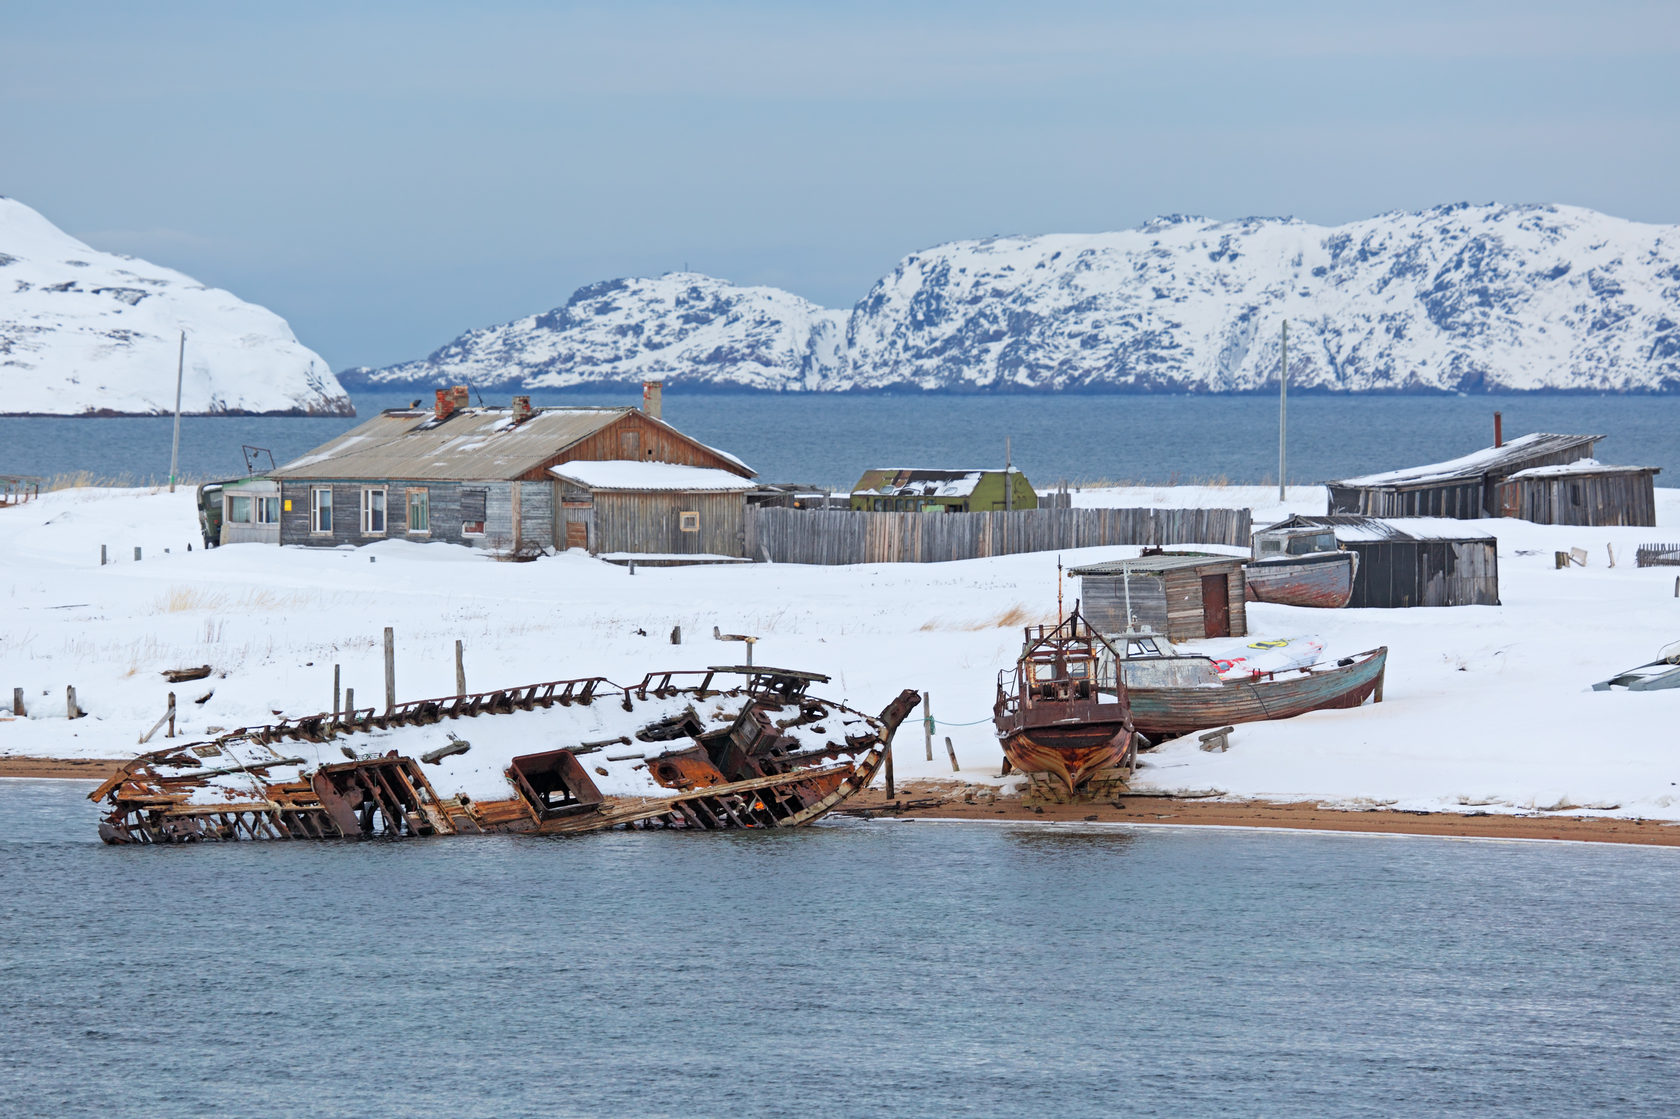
(474, 476)
(1463, 488)
(1421, 561)
(652, 508)
(910, 490)
(1582, 493)
(1182, 597)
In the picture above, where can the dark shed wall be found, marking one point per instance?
(1461, 500)
(1403, 573)
(1583, 499)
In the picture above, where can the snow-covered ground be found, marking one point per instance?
(1485, 706)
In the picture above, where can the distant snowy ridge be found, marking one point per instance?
(1458, 298)
(84, 332)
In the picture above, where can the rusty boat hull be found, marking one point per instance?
(716, 749)
(1069, 754)
(1319, 579)
(1168, 712)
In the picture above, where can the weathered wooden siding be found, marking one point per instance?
(1403, 573)
(1169, 603)
(1460, 500)
(651, 523)
(445, 517)
(833, 536)
(1583, 499)
(635, 436)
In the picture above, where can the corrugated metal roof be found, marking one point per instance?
(1499, 460)
(474, 444)
(1154, 565)
(1353, 529)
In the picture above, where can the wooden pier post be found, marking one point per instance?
(927, 723)
(17, 701)
(390, 670)
(460, 670)
(952, 751)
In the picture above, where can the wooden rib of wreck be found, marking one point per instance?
(1175, 695)
(1063, 716)
(722, 748)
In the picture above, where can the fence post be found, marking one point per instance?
(952, 751)
(137, 552)
(390, 670)
(71, 708)
(460, 671)
(104, 556)
(927, 723)
(889, 771)
(350, 703)
(17, 701)
(170, 733)
(336, 707)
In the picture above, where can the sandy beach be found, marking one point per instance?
(953, 800)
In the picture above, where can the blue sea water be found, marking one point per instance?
(859, 969)
(829, 440)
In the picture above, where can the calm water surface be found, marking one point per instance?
(859, 969)
(829, 440)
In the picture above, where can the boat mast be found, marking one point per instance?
(1283, 407)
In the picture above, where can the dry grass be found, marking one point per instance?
(1015, 617)
(181, 600)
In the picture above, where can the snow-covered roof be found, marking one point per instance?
(471, 444)
(1583, 466)
(637, 476)
(1156, 565)
(1490, 460)
(896, 482)
(1353, 529)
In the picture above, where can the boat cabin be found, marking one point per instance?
(1273, 542)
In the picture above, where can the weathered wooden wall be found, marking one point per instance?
(1462, 500)
(843, 537)
(634, 436)
(1402, 573)
(1627, 498)
(1168, 603)
(651, 523)
(444, 499)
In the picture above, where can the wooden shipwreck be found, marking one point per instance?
(720, 748)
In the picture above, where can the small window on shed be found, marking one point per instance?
(1574, 493)
(239, 510)
(688, 522)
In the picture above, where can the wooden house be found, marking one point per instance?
(483, 477)
(1182, 597)
(1582, 493)
(1463, 488)
(942, 491)
(1413, 562)
(652, 508)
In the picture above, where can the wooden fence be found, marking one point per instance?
(841, 536)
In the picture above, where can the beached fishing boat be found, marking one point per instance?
(735, 747)
(1177, 694)
(1300, 567)
(1062, 715)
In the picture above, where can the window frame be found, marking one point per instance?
(368, 493)
(266, 507)
(425, 496)
(234, 500)
(316, 507)
(688, 520)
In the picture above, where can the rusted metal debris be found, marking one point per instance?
(723, 748)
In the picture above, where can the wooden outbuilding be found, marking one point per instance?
(1582, 493)
(652, 508)
(907, 490)
(1463, 488)
(1182, 597)
(1420, 561)
(476, 476)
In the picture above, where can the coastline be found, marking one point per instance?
(956, 801)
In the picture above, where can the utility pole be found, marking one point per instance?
(175, 449)
(1283, 409)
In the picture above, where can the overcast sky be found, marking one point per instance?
(387, 175)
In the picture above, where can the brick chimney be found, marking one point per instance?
(458, 397)
(651, 393)
(1498, 430)
(445, 405)
(521, 409)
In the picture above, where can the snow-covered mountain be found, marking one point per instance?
(1457, 298)
(87, 332)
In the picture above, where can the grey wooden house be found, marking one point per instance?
(1464, 488)
(1582, 493)
(1413, 562)
(1181, 597)
(481, 477)
(655, 508)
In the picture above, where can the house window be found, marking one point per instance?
(268, 510)
(688, 522)
(320, 510)
(419, 511)
(472, 512)
(239, 510)
(373, 511)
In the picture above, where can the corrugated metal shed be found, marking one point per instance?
(1463, 487)
(1414, 561)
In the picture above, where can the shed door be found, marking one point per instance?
(1216, 606)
